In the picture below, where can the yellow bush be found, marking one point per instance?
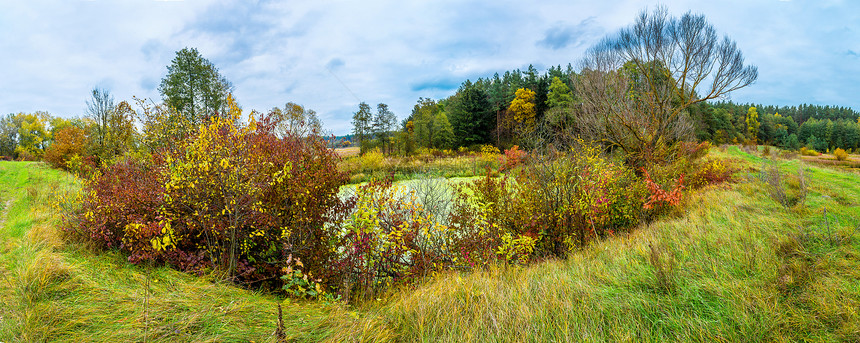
(808, 152)
(840, 154)
(371, 160)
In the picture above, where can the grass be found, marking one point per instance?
(737, 266)
(742, 268)
(63, 292)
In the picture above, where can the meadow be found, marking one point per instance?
(748, 267)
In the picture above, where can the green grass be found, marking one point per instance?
(63, 292)
(737, 266)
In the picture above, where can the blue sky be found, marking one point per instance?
(330, 55)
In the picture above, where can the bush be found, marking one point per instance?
(385, 238)
(512, 158)
(840, 154)
(234, 198)
(808, 152)
(560, 200)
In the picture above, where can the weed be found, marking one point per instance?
(664, 268)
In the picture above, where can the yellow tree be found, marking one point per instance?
(33, 134)
(523, 109)
(752, 125)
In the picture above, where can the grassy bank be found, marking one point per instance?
(737, 266)
(63, 292)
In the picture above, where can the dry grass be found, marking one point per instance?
(347, 152)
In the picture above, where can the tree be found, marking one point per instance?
(295, 120)
(423, 114)
(194, 88)
(752, 125)
(33, 134)
(362, 126)
(523, 108)
(69, 144)
(471, 117)
(114, 125)
(444, 138)
(559, 94)
(636, 85)
(383, 122)
(8, 135)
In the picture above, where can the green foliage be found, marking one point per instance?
(194, 88)
(470, 116)
(815, 143)
(559, 94)
(444, 132)
(362, 126)
(383, 122)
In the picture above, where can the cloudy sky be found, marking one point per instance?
(330, 55)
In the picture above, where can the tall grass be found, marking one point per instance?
(737, 266)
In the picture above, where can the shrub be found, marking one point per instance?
(235, 198)
(371, 160)
(560, 200)
(708, 172)
(385, 238)
(659, 199)
(808, 152)
(512, 158)
(840, 154)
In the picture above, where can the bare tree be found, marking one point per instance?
(297, 120)
(636, 85)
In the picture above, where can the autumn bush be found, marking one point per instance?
(556, 202)
(840, 154)
(512, 158)
(804, 151)
(230, 197)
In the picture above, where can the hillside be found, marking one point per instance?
(736, 266)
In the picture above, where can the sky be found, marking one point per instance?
(331, 55)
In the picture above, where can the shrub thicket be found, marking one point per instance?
(231, 197)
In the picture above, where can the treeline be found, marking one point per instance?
(526, 107)
(502, 110)
(816, 127)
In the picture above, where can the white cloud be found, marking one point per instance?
(324, 54)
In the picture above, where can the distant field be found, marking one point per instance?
(347, 152)
(853, 161)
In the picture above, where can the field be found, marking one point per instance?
(737, 265)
